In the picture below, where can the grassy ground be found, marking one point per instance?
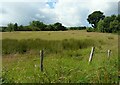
(65, 60)
(57, 35)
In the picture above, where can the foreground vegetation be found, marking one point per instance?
(65, 58)
(60, 68)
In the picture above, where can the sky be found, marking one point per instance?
(68, 12)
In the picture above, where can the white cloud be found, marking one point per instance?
(68, 12)
(75, 12)
(22, 13)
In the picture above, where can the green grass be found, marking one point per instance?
(65, 58)
(11, 46)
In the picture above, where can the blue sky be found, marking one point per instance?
(67, 12)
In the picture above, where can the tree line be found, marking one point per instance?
(39, 26)
(97, 19)
(34, 26)
(102, 23)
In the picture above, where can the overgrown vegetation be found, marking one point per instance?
(14, 46)
(61, 68)
(65, 58)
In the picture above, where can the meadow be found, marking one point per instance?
(66, 55)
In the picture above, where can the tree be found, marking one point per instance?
(107, 21)
(115, 26)
(38, 24)
(21, 28)
(50, 28)
(94, 18)
(118, 17)
(109, 24)
(15, 27)
(3, 29)
(113, 17)
(10, 27)
(100, 26)
(58, 26)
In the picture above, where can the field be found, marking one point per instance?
(66, 55)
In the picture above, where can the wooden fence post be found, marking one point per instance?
(91, 54)
(109, 53)
(41, 60)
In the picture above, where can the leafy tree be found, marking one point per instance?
(58, 26)
(10, 27)
(109, 24)
(107, 21)
(21, 28)
(113, 17)
(106, 24)
(115, 26)
(3, 29)
(27, 28)
(100, 26)
(16, 27)
(118, 17)
(94, 18)
(38, 24)
(50, 28)
(35, 28)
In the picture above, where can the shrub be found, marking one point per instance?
(90, 29)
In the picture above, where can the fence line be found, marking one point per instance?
(90, 58)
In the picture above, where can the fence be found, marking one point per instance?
(90, 58)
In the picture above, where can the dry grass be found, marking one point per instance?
(55, 35)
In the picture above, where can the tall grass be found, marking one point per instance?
(65, 60)
(61, 69)
(11, 46)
